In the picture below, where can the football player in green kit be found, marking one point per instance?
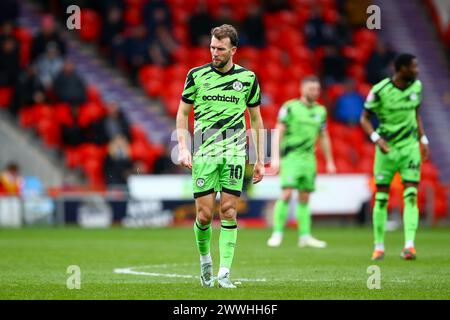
(220, 92)
(395, 102)
(300, 123)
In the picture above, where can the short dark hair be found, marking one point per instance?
(403, 60)
(226, 31)
(311, 78)
(12, 166)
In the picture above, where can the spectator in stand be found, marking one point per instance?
(118, 165)
(29, 90)
(200, 25)
(11, 182)
(47, 34)
(161, 47)
(165, 165)
(111, 33)
(135, 49)
(9, 56)
(253, 29)
(70, 87)
(156, 13)
(9, 11)
(105, 130)
(378, 66)
(349, 105)
(315, 28)
(275, 5)
(333, 66)
(225, 16)
(355, 10)
(340, 32)
(49, 65)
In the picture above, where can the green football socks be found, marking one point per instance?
(203, 237)
(227, 242)
(280, 215)
(410, 213)
(303, 214)
(379, 216)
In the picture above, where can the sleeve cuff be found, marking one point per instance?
(186, 100)
(252, 105)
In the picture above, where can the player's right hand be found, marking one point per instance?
(274, 168)
(382, 144)
(185, 158)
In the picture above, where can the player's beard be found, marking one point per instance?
(222, 64)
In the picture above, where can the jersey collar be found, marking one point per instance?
(222, 73)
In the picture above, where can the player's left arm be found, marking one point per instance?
(422, 137)
(258, 136)
(325, 143)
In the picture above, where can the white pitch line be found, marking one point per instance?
(130, 270)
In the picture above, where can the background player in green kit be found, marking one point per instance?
(395, 102)
(220, 93)
(300, 123)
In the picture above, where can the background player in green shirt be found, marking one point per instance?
(220, 93)
(395, 102)
(300, 123)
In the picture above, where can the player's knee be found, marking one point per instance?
(304, 197)
(228, 211)
(410, 194)
(204, 215)
(286, 194)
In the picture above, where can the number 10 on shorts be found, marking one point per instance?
(235, 171)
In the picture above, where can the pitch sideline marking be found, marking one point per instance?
(130, 270)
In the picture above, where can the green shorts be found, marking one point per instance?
(405, 160)
(217, 174)
(298, 174)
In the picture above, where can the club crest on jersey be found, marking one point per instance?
(200, 182)
(413, 96)
(237, 85)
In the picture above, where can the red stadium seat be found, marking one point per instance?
(357, 72)
(90, 112)
(181, 34)
(176, 73)
(90, 25)
(138, 134)
(429, 172)
(5, 96)
(50, 132)
(366, 36)
(150, 72)
(93, 94)
(94, 171)
(335, 91)
(133, 16)
(63, 114)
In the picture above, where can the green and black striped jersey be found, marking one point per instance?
(302, 128)
(220, 100)
(395, 109)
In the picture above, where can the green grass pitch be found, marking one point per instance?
(164, 263)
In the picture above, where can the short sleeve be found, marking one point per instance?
(253, 98)
(372, 101)
(283, 114)
(323, 124)
(190, 90)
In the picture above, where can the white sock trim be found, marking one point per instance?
(223, 271)
(409, 244)
(379, 246)
(205, 258)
